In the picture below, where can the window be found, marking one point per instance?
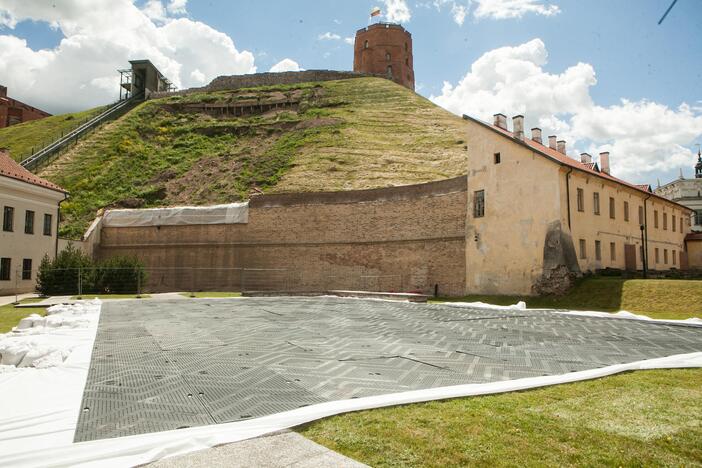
(665, 256)
(641, 215)
(479, 204)
(658, 256)
(596, 202)
(5, 265)
(365, 44)
(497, 158)
(29, 222)
(8, 219)
(390, 71)
(47, 224)
(387, 56)
(407, 62)
(612, 251)
(655, 219)
(581, 200)
(583, 249)
(611, 207)
(626, 211)
(665, 221)
(681, 224)
(698, 217)
(675, 256)
(672, 222)
(27, 269)
(598, 250)
(405, 47)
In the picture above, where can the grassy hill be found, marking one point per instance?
(347, 134)
(21, 138)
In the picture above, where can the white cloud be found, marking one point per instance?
(328, 36)
(177, 7)
(79, 71)
(505, 9)
(285, 65)
(459, 10)
(644, 137)
(397, 11)
(350, 40)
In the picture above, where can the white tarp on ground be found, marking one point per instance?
(40, 401)
(39, 410)
(232, 213)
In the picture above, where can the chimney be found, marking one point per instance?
(585, 158)
(518, 127)
(604, 162)
(3, 91)
(536, 135)
(501, 121)
(561, 146)
(552, 141)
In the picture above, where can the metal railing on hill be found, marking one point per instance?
(112, 112)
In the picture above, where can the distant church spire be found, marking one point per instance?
(698, 166)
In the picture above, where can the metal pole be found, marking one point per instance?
(138, 283)
(16, 290)
(80, 283)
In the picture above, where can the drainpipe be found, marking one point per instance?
(568, 194)
(58, 222)
(645, 239)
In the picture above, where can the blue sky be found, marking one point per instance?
(581, 59)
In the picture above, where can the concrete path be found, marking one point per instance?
(4, 300)
(286, 449)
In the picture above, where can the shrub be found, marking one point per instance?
(121, 275)
(73, 271)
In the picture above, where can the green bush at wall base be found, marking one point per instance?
(73, 272)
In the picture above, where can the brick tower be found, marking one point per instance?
(385, 49)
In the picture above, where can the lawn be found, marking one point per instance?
(646, 418)
(20, 139)
(664, 299)
(10, 316)
(202, 294)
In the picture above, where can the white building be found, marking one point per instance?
(687, 192)
(30, 217)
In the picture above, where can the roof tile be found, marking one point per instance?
(10, 168)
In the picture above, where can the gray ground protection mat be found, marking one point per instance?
(162, 365)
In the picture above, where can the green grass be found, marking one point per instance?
(663, 299)
(21, 138)
(110, 296)
(348, 134)
(10, 316)
(211, 294)
(646, 418)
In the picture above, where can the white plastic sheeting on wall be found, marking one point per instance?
(232, 213)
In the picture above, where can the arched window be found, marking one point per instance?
(407, 62)
(405, 47)
(365, 45)
(387, 56)
(389, 71)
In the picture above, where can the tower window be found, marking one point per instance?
(407, 62)
(405, 47)
(387, 56)
(365, 44)
(389, 71)
(497, 158)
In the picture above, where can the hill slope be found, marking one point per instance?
(21, 138)
(335, 135)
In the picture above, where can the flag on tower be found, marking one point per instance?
(375, 12)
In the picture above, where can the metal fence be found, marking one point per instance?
(81, 281)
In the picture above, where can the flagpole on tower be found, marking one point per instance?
(375, 13)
